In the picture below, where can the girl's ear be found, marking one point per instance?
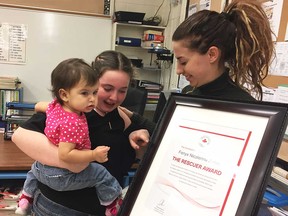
(63, 95)
(214, 54)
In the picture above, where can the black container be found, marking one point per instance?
(127, 16)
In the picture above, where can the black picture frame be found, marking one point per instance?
(167, 186)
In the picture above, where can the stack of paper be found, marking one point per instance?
(9, 82)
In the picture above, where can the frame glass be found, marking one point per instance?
(207, 157)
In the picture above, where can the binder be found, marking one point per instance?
(275, 198)
(127, 41)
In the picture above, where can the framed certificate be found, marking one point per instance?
(207, 157)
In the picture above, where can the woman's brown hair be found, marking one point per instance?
(242, 32)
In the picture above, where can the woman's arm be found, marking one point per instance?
(124, 116)
(138, 138)
(67, 152)
(140, 120)
(37, 146)
(41, 106)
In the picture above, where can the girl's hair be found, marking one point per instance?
(242, 32)
(69, 73)
(112, 60)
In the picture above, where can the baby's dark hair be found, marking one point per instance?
(69, 73)
(112, 60)
(242, 32)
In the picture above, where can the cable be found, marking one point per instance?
(155, 20)
(168, 15)
(158, 8)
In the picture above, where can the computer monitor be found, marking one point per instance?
(164, 95)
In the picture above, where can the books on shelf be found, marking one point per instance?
(153, 95)
(153, 32)
(10, 90)
(7, 95)
(153, 90)
(152, 38)
(279, 179)
(9, 82)
(149, 84)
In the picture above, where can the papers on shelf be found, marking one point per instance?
(9, 82)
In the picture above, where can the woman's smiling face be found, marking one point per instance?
(194, 66)
(113, 86)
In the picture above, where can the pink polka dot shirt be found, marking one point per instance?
(63, 126)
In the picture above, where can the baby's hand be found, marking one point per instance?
(100, 153)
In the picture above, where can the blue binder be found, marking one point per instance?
(275, 198)
(20, 105)
(127, 41)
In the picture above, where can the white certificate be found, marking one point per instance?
(202, 164)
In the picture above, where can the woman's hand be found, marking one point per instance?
(139, 138)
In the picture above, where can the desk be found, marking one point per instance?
(14, 164)
(12, 159)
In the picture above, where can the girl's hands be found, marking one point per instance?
(100, 154)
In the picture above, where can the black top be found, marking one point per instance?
(222, 88)
(109, 131)
(121, 157)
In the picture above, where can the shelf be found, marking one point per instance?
(13, 175)
(140, 25)
(133, 47)
(20, 105)
(150, 70)
(137, 47)
(15, 115)
(147, 68)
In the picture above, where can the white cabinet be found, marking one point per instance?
(151, 70)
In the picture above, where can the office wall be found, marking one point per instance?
(53, 37)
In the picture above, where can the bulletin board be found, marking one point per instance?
(210, 4)
(87, 7)
(274, 81)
